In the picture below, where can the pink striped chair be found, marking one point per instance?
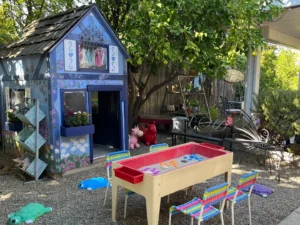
(235, 195)
(203, 209)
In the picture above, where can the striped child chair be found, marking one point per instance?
(235, 195)
(203, 209)
(115, 156)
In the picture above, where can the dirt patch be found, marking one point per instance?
(7, 166)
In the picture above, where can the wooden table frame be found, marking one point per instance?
(153, 188)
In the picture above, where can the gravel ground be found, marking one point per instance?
(73, 206)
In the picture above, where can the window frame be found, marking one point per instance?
(62, 106)
(92, 44)
(10, 95)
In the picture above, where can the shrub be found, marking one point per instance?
(11, 117)
(280, 110)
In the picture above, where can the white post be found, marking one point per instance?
(256, 77)
(248, 83)
(252, 80)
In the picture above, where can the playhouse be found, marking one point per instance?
(72, 62)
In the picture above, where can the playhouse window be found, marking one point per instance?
(17, 96)
(93, 56)
(74, 101)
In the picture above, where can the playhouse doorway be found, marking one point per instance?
(107, 120)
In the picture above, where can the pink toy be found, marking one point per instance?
(133, 139)
(149, 136)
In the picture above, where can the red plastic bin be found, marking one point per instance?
(128, 174)
(212, 146)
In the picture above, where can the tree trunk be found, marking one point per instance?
(137, 91)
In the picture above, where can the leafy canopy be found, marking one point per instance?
(200, 34)
(279, 69)
(15, 15)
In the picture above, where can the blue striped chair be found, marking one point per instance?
(158, 147)
(203, 210)
(235, 195)
(115, 156)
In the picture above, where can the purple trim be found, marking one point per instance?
(77, 131)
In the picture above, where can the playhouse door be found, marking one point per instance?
(106, 118)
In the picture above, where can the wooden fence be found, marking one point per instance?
(214, 90)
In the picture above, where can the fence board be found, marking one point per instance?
(154, 104)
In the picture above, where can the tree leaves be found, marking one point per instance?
(279, 69)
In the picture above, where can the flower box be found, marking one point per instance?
(26, 138)
(77, 131)
(13, 126)
(30, 116)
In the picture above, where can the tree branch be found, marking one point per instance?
(41, 9)
(158, 86)
(134, 80)
(125, 12)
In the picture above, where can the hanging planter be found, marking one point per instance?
(13, 123)
(27, 139)
(30, 168)
(77, 131)
(16, 127)
(28, 115)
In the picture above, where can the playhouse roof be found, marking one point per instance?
(42, 34)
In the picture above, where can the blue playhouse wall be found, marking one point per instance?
(31, 74)
(67, 153)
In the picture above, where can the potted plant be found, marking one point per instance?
(195, 105)
(77, 123)
(13, 123)
(189, 87)
(187, 106)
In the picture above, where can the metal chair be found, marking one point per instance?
(203, 209)
(235, 195)
(115, 156)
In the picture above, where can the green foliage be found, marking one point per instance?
(74, 119)
(280, 110)
(279, 70)
(194, 103)
(197, 34)
(15, 15)
(12, 117)
(7, 29)
(214, 112)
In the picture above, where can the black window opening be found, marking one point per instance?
(17, 97)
